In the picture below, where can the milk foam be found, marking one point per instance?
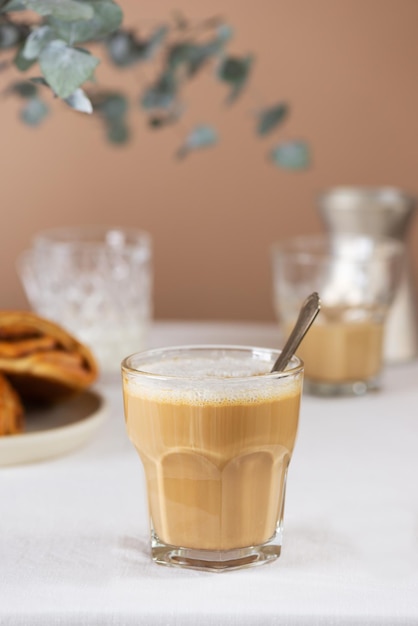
(201, 368)
(224, 380)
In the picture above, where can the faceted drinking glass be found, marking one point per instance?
(215, 431)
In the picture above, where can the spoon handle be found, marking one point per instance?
(309, 311)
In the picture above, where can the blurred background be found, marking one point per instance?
(349, 71)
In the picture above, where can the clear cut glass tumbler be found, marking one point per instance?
(215, 431)
(96, 281)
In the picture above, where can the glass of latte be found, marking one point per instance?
(215, 431)
(357, 279)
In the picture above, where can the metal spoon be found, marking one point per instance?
(309, 311)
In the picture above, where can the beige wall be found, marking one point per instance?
(349, 68)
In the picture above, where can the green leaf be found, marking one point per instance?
(34, 112)
(159, 121)
(24, 89)
(191, 55)
(9, 36)
(291, 155)
(225, 33)
(194, 56)
(179, 54)
(37, 40)
(79, 101)
(117, 133)
(12, 5)
(124, 49)
(67, 10)
(155, 41)
(201, 136)
(21, 63)
(161, 95)
(65, 68)
(113, 107)
(106, 19)
(269, 118)
(212, 48)
(235, 71)
(39, 80)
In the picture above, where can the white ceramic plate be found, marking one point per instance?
(55, 430)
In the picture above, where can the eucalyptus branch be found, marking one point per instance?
(58, 44)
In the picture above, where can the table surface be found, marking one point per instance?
(74, 538)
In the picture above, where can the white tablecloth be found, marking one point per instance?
(74, 539)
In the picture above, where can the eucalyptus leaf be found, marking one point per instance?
(224, 33)
(67, 10)
(125, 49)
(270, 118)
(117, 133)
(12, 5)
(235, 71)
(201, 136)
(161, 95)
(106, 19)
(24, 89)
(213, 47)
(65, 68)
(216, 46)
(21, 63)
(162, 119)
(202, 53)
(118, 47)
(34, 112)
(9, 36)
(179, 54)
(291, 155)
(198, 57)
(158, 121)
(39, 80)
(192, 56)
(156, 40)
(113, 107)
(79, 101)
(36, 41)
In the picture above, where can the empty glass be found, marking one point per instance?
(95, 281)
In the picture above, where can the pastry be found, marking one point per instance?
(11, 409)
(41, 359)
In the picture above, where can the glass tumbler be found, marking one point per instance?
(215, 431)
(96, 281)
(356, 278)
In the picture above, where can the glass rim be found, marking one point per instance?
(88, 234)
(318, 247)
(386, 194)
(289, 371)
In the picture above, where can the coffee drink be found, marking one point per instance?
(340, 348)
(215, 446)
